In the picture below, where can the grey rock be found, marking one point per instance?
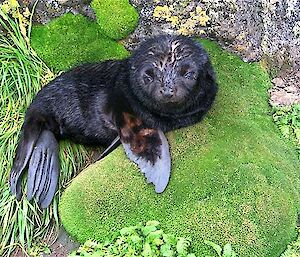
(278, 82)
(286, 89)
(46, 10)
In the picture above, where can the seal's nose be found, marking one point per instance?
(167, 92)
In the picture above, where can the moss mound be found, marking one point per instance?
(116, 18)
(72, 39)
(234, 180)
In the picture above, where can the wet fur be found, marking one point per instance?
(166, 54)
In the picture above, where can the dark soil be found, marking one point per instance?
(63, 245)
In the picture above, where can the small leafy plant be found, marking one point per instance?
(146, 241)
(140, 240)
(225, 252)
(287, 119)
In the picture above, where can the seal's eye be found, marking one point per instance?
(148, 76)
(190, 75)
(186, 72)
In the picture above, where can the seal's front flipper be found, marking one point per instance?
(149, 149)
(43, 169)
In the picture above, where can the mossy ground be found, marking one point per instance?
(233, 178)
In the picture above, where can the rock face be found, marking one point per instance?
(286, 89)
(46, 10)
(268, 29)
(256, 29)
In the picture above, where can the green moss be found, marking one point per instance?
(234, 180)
(72, 39)
(116, 18)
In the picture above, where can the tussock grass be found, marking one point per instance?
(22, 73)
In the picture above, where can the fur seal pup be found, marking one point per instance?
(167, 83)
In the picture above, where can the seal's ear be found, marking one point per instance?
(148, 148)
(210, 74)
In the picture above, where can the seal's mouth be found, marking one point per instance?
(171, 102)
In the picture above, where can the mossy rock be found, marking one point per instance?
(116, 18)
(72, 39)
(234, 179)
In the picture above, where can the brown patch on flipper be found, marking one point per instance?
(144, 142)
(148, 148)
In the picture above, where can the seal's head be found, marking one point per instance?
(167, 72)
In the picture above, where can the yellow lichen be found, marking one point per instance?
(174, 20)
(199, 9)
(183, 31)
(200, 15)
(191, 23)
(241, 36)
(178, 20)
(187, 27)
(162, 12)
(203, 19)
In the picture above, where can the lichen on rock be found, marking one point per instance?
(184, 18)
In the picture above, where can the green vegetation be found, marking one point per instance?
(72, 39)
(139, 240)
(227, 251)
(62, 43)
(234, 180)
(145, 240)
(116, 18)
(287, 119)
(293, 250)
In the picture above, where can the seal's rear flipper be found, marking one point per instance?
(24, 150)
(43, 169)
(149, 149)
